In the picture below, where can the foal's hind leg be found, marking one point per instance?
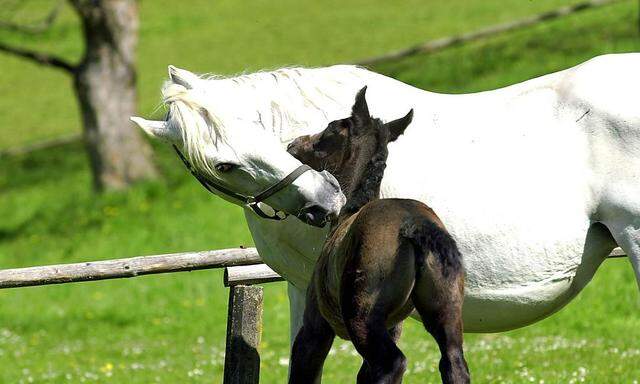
(383, 362)
(439, 304)
(366, 305)
(365, 374)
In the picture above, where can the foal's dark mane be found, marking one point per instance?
(368, 187)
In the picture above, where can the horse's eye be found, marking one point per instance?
(224, 167)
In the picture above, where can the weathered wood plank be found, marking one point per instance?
(617, 252)
(249, 275)
(244, 329)
(129, 267)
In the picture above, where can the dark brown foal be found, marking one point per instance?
(383, 259)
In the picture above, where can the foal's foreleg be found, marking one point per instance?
(311, 346)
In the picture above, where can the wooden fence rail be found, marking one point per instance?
(129, 267)
(494, 30)
(243, 269)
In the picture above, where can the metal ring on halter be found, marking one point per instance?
(248, 201)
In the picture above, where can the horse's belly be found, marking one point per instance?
(495, 310)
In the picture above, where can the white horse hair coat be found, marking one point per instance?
(537, 181)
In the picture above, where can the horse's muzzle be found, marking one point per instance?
(316, 215)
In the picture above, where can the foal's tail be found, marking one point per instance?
(427, 237)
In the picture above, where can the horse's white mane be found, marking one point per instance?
(283, 101)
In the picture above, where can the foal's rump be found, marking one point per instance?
(428, 238)
(398, 251)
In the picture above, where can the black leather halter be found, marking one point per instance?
(248, 201)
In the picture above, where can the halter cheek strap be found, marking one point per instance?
(249, 201)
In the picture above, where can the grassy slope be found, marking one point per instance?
(228, 37)
(171, 328)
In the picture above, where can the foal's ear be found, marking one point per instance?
(360, 108)
(397, 127)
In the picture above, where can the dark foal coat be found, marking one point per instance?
(383, 259)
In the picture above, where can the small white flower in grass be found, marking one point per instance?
(195, 372)
(419, 366)
(284, 361)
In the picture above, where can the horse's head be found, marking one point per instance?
(229, 148)
(353, 149)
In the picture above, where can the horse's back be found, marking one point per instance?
(604, 92)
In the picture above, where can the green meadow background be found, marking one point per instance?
(170, 328)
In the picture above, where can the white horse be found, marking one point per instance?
(537, 182)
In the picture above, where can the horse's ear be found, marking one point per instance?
(182, 77)
(157, 129)
(360, 108)
(397, 127)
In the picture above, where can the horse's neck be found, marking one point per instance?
(319, 96)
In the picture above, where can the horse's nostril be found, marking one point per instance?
(314, 215)
(310, 217)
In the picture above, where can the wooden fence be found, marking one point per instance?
(243, 272)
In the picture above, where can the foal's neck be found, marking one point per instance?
(368, 185)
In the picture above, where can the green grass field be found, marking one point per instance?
(170, 328)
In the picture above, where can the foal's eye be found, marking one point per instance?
(224, 167)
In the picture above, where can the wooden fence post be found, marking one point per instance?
(244, 328)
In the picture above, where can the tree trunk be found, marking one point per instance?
(105, 83)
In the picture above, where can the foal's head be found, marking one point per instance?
(354, 150)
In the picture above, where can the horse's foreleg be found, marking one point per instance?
(297, 299)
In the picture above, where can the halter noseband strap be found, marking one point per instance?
(249, 201)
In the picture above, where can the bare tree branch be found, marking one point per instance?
(34, 28)
(39, 57)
